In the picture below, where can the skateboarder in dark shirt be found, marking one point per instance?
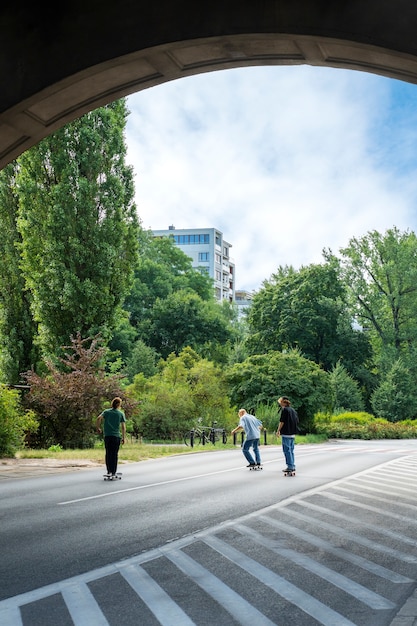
(287, 429)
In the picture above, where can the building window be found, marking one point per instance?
(218, 275)
(203, 256)
(183, 240)
(218, 258)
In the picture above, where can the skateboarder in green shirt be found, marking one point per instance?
(113, 419)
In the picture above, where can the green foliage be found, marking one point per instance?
(186, 388)
(78, 226)
(361, 425)
(346, 392)
(162, 269)
(17, 327)
(262, 379)
(15, 422)
(171, 305)
(380, 272)
(142, 359)
(268, 414)
(396, 398)
(306, 309)
(71, 395)
(184, 319)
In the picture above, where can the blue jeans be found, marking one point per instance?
(288, 449)
(252, 443)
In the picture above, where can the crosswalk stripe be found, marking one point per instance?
(354, 537)
(340, 553)
(392, 534)
(365, 492)
(157, 600)
(237, 606)
(10, 615)
(379, 511)
(83, 606)
(325, 615)
(349, 586)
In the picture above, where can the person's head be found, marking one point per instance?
(116, 403)
(241, 412)
(284, 401)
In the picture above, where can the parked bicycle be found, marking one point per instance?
(205, 434)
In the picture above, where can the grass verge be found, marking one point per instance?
(142, 451)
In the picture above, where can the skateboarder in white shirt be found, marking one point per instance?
(252, 427)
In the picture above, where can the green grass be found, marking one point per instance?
(142, 451)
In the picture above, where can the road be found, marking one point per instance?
(335, 545)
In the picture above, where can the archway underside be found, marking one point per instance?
(31, 120)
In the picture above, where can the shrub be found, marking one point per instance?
(71, 395)
(15, 422)
(361, 425)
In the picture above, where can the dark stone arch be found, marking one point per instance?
(59, 62)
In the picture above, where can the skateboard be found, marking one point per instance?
(289, 472)
(255, 467)
(117, 476)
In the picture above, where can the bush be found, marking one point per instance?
(15, 423)
(72, 393)
(268, 414)
(363, 425)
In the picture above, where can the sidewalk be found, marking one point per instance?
(30, 468)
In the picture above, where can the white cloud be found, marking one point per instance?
(284, 161)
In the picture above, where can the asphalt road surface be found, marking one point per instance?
(199, 539)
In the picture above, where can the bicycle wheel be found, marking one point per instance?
(192, 438)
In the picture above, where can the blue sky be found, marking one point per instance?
(285, 161)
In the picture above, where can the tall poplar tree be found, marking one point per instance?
(78, 225)
(17, 327)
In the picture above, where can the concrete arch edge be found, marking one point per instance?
(29, 121)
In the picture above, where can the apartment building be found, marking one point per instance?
(243, 300)
(210, 253)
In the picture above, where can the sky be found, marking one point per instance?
(284, 161)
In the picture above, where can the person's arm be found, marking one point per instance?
(280, 425)
(98, 423)
(123, 431)
(237, 429)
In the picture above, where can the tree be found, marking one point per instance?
(262, 378)
(73, 393)
(78, 226)
(380, 272)
(17, 327)
(143, 359)
(184, 319)
(161, 270)
(186, 388)
(306, 309)
(346, 393)
(395, 399)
